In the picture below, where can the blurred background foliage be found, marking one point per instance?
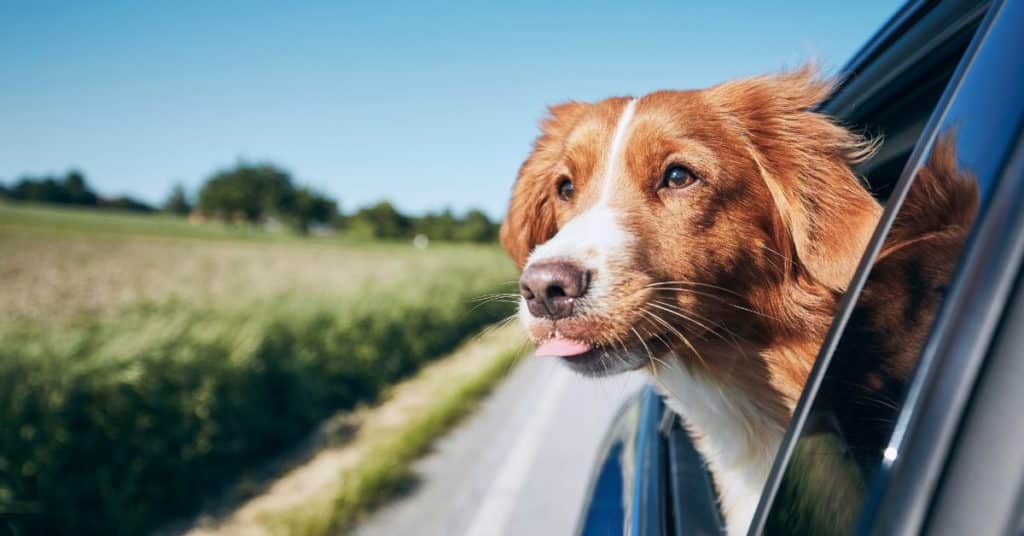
(262, 194)
(147, 363)
(114, 427)
(152, 357)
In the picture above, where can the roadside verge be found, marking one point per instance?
(329, 493)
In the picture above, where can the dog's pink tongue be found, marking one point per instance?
(558, 347)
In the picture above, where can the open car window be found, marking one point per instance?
(838, 443)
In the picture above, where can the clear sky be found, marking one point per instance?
(426, 104)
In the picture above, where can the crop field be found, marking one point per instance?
(146, 362)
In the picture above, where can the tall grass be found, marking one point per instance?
(384, 469)
(115, 423)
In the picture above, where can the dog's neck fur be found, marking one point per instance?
(738, 413)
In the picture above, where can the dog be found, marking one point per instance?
(704, 236)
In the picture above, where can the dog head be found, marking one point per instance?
(682, 220)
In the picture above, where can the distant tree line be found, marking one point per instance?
(261, 194)
(383, 220)
(69, 189)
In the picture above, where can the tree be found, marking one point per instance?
(312, 207)
(72, 189)
(252, 192)
(177, 202)
(443, 226)
(477, 227)
(382, 221)
(77, 191)
(124, 202)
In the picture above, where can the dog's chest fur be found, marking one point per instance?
(738, 441)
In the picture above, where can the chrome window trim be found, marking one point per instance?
(980, 490)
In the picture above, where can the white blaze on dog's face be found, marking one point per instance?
(656, 225)
(595, 234)
(595, 238)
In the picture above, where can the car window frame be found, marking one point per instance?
(693, 502)
(916, 160)
(963, 331)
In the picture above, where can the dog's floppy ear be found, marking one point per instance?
(805, 160)
(531, 218)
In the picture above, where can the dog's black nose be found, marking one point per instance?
(551, 288)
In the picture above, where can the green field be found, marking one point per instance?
(145, 362)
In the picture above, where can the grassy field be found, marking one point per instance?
(62, 264)
(146, 362)
(26, 218)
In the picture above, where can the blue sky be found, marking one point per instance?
(427, 105)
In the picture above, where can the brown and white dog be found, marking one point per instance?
(704, 236)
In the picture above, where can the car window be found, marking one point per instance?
(893, 99)
(843, 440)
(841, 444)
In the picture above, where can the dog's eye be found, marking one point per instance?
(565, 189)
(677, 177)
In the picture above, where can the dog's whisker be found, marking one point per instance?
(680, 314)
(494, 297)
(493, 294)
(650, 355)
(774, 264)
(498, 325)
(483, 304)
(625, 350)
(654, 333)
(674, 309)
(658, 305)
(721, 300)
(665, 343)
(642, 342)
(678, 334)
(696, 283)
(776, 252)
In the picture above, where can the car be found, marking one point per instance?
(909, 423)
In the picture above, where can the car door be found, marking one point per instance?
(887, 421)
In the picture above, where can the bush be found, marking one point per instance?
(177, 201)
(113, 427)
(71, 189)
(256, 193)
(124, 202)
(383, 220)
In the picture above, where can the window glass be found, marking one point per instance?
(843, 440)
(843, 449)
(842, 444)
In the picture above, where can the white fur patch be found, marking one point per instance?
(594, 236)
(588, 239)
(738, 441)
(611, 165)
